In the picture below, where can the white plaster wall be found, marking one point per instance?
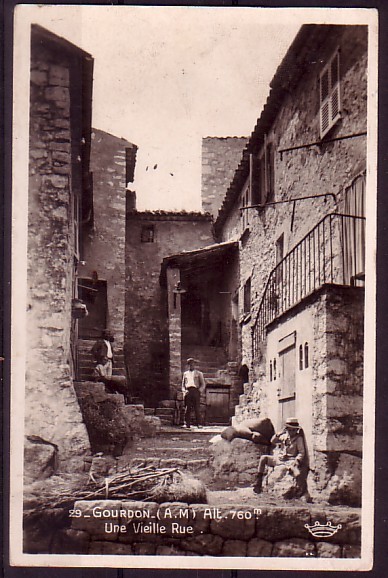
(302, 324)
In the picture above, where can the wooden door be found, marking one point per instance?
(287, 384)
(94, 295)
(217, 405)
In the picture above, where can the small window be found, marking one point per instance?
(306, 355)
(274, 369)
(270, 370)
(329, 94)
(247, 296)
(300, 357)
(147, 234)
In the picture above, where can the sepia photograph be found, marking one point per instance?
(193, 317)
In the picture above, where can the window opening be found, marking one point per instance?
(148, 234)
(306, 355)
(247, 296)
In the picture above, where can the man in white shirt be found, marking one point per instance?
(192, 383)
(102, 352)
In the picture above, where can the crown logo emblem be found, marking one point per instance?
(323, 530)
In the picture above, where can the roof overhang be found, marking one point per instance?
(200, 258)
(303, 53)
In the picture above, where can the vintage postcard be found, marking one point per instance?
(193, 321)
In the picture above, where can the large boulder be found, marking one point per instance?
(237, 460)
(282, 483)
(336, 478)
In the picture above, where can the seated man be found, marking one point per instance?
(102, 352)
(292, 452)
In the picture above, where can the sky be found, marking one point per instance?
(165, 77)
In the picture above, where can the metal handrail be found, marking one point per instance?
(314, 261)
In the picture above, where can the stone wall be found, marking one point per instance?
(104, 243)
(328, 393)
(220, 158)
(146, 332)
(330, 167)
(177, 529)
(51, 408)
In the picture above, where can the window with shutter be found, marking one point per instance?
(329, 90)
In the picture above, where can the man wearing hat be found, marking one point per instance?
(192, 383)
(292, 452)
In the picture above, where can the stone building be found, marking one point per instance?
(101, 272)
(150, 236)
(59, 200)
(168, 317)
(220, 158)
(296, 204)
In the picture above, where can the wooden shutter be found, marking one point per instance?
(330, 104)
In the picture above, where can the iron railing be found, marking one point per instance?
(332, 252)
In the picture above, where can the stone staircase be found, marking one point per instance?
(211, 361)
(175, 447)
(86, 362)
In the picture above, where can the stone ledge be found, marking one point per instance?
(176, 528)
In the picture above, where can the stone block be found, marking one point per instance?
(38, 77)
(200, 522)
(56, 181)
(229, 527)
(295, 548)
(58, 75)
(350, 520)
(169, 550)
(70, 542)
(144, 549)
(350, 551)
(234, 548)
(58, 94)
(259, 548)
(109, 548)
(230, 459)
(195, 465)
(94, 517)
(204, 545)
(278, 523)
(336, 478)
(60, 146)
(281, 483)
(327, 550)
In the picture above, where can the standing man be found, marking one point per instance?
(192, 383)
(102, 352)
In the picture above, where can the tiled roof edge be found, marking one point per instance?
(171, 215)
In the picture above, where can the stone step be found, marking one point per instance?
(170, 403)
(88, 373)
(165, 412)
(91, 367)
(84, 356)
(134, 410)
